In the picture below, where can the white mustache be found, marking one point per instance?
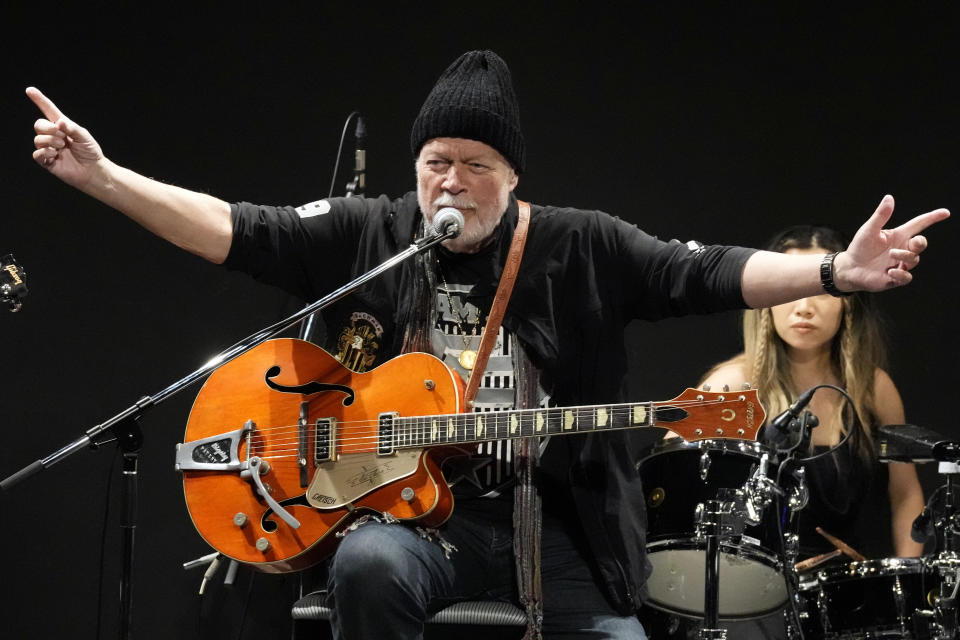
(447, 199)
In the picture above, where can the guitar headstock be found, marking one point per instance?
(698, 415)
(13, 285)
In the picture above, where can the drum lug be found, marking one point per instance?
(704, 465)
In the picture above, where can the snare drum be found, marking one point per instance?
(677, 476)
(869, 599)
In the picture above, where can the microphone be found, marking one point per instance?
(359, 182)
(922, 527)
(360, 158)
(449, 222)
(777, 430)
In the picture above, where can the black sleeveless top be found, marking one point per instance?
(839, 484)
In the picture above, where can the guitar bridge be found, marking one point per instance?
(216, 453)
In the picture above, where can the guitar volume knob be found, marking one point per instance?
(263, 545)
(240, 519)
(408, 494)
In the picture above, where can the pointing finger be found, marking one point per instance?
(44, 103)
(916, 225)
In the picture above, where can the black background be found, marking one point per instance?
(721, 124)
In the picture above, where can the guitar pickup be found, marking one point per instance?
(323, 450)
(385, 442)
(216, 453)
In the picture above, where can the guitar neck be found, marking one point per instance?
(467, 428)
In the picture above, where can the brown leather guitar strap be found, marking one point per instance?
(504, 289)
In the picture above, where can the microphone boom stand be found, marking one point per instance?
(124, 427)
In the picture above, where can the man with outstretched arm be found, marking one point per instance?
(583, 276)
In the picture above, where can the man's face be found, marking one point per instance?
(470, 176)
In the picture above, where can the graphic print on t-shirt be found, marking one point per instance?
(459, 326)
(358, 344)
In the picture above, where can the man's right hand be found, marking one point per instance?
(63, 147)
(197, 222)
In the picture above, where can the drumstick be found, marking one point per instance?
(810, 563)
(842, 546)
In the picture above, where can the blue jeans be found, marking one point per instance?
(385, 579)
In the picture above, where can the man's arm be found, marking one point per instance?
(194, 221)
(876, 259)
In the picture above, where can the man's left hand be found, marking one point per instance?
(879, 258)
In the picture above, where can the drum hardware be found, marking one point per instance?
(886, 598)
(727, 518)
(799, 494)
(714, 521)
(759, 492)
(704, 465)
(943, 521)
(944, 618)
(909, 443)
(895, 597)
(681, 516)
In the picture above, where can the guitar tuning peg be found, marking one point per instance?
(726, 387)
(745, 386)
(706, 387)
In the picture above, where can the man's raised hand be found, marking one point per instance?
(879, 258)
(63, 147)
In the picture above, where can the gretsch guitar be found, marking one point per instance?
(285, 447)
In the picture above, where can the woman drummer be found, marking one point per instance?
(832, 340)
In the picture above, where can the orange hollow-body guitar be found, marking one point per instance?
(285, 447)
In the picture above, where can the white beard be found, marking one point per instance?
(478, 228)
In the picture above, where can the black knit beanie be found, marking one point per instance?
(473, 99)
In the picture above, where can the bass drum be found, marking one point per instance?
(869, 599)
(679, 475)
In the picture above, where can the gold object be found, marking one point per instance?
(468, 359)
(468, 356)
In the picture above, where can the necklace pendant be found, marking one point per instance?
(468, 359)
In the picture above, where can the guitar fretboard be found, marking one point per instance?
(465, 428)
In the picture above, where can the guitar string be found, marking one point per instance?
(427, 433)
(495, 416)
(610, 409)
(417, 434)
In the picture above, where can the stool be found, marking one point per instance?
(312, 607)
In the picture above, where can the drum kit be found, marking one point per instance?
(724, 553)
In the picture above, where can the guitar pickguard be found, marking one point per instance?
(340, 483)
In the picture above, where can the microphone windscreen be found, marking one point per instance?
(448, 220)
